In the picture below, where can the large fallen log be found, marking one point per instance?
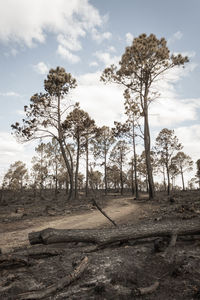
(63, 282)
(113, 235)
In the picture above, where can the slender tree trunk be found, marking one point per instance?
(135, 164)
(168, 180)
(147, 184)
(164, 180)
(132, 183)
(87, 163)
(70, 195)
(105, 173)
(121, 174)
(61, 141)
(56, 180)
(182, 179)
(77, 168)
(147, 146)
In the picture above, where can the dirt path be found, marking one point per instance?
(117, 210)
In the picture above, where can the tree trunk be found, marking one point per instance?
(105, 173)
(182, 179)
(164, 180)
(77, 167)
(111, 235)
(61, 141)
(121, 174)
(132, 182)
(168, 180)
(69, 169)
(56, 180)
(87, 163)
(147, 146)
(135, 164)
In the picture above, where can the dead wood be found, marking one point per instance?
(40, 251)
(123, 291)
(13, 261)
(169, 251)
(103, 212)
(108, 236)
(6, 282)
(65, 281)
(147, 290)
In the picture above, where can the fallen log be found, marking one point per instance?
(65, 281)
(40, 251)
(13, 261)
(112, 235)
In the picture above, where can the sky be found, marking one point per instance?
(85, 36)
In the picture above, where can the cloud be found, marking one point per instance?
(175, 37)
(11, 151)
(66, 54)
(107, 58)
(69, 42)
(190, 138)
(103, 102)
(99, 37)
(10, 94)
(171, 112)
(129, 38)
(27, 22)
(169, 109)
(41, 68)
(94, 64)
(111, 49)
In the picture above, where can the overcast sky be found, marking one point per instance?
(84, 37)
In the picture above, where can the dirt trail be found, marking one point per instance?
(117, 210)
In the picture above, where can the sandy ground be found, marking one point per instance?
(117, 210)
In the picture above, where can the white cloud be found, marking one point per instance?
(41, 68)
(69, 42)
(169, 109)
(171, 112)
(66, 54)
(94, 64)
(99, 37)
(175, 37)
(103, 102)
(107, 58)
(27, 22)
(190, 138)
(11, 151)
(10, 94)
(111, 49)
(13, 52)
(129, 38)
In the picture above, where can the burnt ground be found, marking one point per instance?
(116, 272)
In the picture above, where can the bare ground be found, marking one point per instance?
(116, 272)
(119, 209)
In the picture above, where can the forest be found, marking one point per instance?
(146, 246)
